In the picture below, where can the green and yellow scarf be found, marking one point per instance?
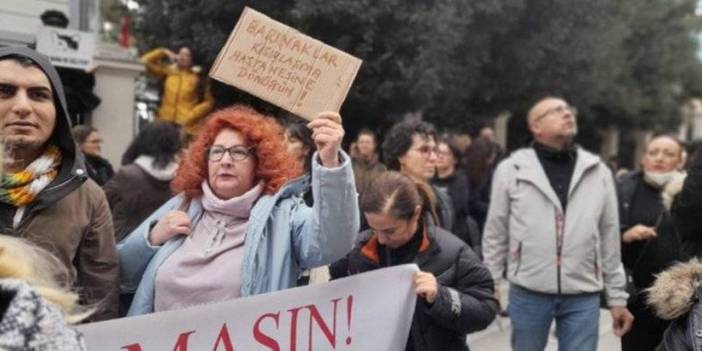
(21, 188)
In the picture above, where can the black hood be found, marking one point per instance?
(61, 136)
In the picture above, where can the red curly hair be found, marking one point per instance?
(274, 167)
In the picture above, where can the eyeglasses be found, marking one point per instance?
(559, 110)
(236, 152)
(444, 153)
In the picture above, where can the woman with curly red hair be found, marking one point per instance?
(238, 226)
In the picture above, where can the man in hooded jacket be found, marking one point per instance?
(45, 194)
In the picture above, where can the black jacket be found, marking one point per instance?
(465, 301)
(642, 204)
(687, 210)
(626, 188)
(456, 186)
(629, 204)
(99, 169)
(679, 233)
(444, 208)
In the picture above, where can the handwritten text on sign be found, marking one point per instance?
(285, 67)
(371, 311)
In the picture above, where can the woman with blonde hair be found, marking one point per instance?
(36, 302)
(642, 208)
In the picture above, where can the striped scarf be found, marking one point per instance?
(21, 188)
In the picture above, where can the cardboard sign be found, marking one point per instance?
(66, 48)
(285, 67)
(370, 311)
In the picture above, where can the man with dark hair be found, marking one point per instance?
(553, 224)
(366, 165)
(410, 147)
(45, 195)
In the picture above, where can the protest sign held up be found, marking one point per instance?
(370, 311)
(284, 67)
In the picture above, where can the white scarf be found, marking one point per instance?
(163, 174)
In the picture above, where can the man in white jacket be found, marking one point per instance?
(553, 224)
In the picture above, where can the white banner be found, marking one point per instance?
(370, 311)
(66, 47)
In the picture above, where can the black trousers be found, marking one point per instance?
(647, 331)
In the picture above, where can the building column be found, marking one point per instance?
(115, 117)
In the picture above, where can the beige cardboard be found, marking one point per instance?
(284, 67)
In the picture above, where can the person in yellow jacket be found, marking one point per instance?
(186, 96)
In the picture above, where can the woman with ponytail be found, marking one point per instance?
(456, 291)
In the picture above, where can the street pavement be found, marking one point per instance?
(496, 336)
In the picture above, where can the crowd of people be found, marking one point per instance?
(210, 206)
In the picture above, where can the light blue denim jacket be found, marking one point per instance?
(284, 236)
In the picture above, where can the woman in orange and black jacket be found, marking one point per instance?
(456, 291)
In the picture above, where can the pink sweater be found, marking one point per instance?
(207, 266)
